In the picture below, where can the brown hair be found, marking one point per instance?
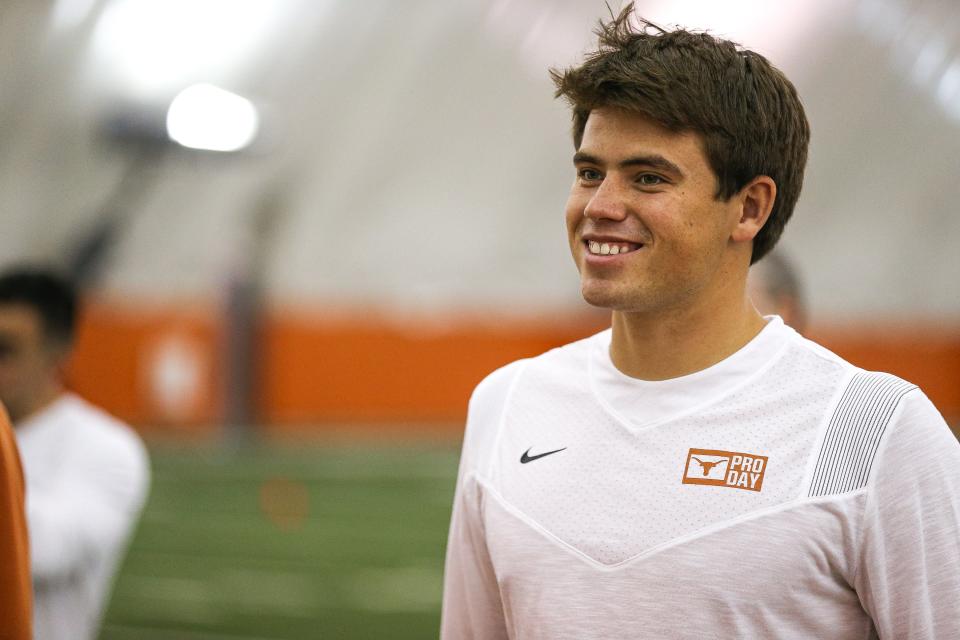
(747, 112)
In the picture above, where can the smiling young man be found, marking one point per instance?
(697, 470)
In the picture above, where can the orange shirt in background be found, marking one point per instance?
(16, 596)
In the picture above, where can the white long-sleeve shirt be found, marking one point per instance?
(87, 477)
(781, 493)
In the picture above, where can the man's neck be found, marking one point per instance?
(38, 403)
(674, 343)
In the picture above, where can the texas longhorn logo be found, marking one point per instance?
(725, 469)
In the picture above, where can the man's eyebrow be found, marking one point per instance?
(585, 158)
(654, 161)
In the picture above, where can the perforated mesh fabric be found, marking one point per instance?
(615, 491)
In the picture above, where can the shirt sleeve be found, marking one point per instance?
(472, 608)
(16, 596)
(89, 514)
(909, 573)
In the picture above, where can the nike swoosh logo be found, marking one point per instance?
(526, 457)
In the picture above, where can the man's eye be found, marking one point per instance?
(589, 175)
(650, 180)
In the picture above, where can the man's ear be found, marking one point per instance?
(756, 201)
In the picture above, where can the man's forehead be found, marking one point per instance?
(631, 129)
(620, 134)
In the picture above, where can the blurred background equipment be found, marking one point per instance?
(774, 286)
(376, 226)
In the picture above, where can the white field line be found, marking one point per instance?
(122, 632)
(284, 594)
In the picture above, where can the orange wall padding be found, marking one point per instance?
(162, 366)
(369, 369)
(122, 362)
(926, 355)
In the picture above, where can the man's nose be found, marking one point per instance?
(607, 202)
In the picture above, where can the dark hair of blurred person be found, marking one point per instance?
(38, 311)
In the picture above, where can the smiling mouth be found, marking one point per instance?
(610, 248)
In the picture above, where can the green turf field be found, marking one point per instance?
(281, 542)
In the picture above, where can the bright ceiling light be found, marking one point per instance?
(146, 48)
(207, 117)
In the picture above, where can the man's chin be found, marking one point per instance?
(603, 297)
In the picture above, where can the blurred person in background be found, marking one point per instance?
(697, 470)
(15, 590)
(773, 285)
(87, 474)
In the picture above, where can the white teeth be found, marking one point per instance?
(607, 248)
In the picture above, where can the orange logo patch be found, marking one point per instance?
(725, 469)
